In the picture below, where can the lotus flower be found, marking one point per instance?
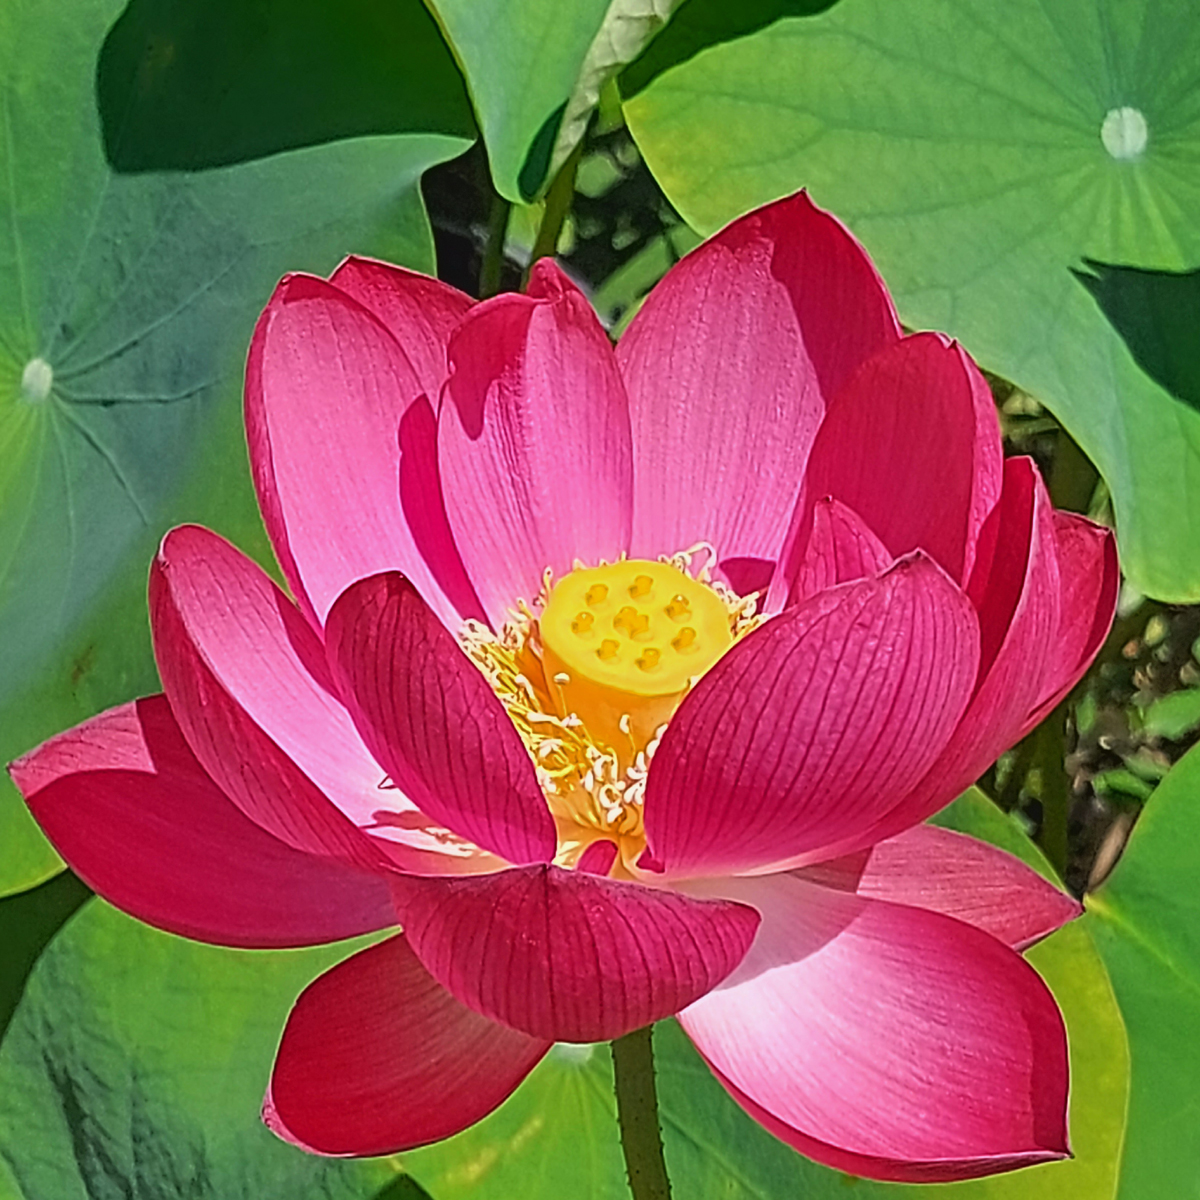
(622, 681)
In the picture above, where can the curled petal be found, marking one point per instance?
(326, 387)
(125, 802)
(912, 445)
(960, 876)
(886, 1041)
(729, 366)
(533, 441)
(378, 1057)
(780, 750)
(567, 955)
(433, 721)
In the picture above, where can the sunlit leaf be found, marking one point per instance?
(1146, 922)
(984, 155)
(535, 69)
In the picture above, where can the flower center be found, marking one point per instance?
(621, 645)
(590, 676)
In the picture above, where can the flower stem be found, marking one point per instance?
(558, 204)
(491, 271)
(637, 1115)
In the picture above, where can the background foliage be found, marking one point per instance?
(162, 163)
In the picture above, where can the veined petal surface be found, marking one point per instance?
(912, 445)
(779, 751)
(248, 682)
(378, 1057)
(570, 956)
(1090, 580)
(960, 876)
(841, 547)
(533, 441)
(883, 1040)
(729, 365)
(1018, 599)
(125, 802)
(420, 312)
(434, 722)
(326, 387)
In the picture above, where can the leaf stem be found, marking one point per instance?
(637, 1115)
(558, 204)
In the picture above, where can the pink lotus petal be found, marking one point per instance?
(567, 955)
(729, 366)
(950, 873)
(841, 548)
(326, 386)
(1018, 607)
(422, 502)
(886, 1041)
(912, 445)
(377, 1057)
(420, 312)
(1087, 557)
(125, 802)
(784, 746)
(533, 441)
(248, 682)
(434, 722)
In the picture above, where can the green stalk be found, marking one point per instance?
(491, 269)
(637, 1115)
(1049, 751)
(558, 204)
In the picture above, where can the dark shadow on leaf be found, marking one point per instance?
(1157, 314)
(191, 84)
(27, 923)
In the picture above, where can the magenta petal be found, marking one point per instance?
(960, 876)
(423, 504)
(246, 679)
(912, 445)
(420, 312)
(377, 1057)
(1018, 605)
(805, 731)
(433, 721)
(886, 1041)
(533, 442)
(326, 386)
(125, 802)
(841, 548)
(249, 684)
(729, 365)
(567, 955)
(1090, 580)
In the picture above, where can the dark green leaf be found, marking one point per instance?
(204, 83)
(123, 331)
